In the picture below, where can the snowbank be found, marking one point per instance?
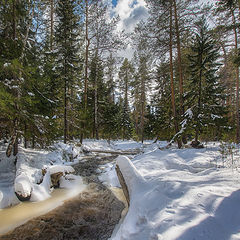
(184, 196)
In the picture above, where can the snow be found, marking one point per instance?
(6, 65)
(135, 182)
(23, 185)
(60, 168)
(26, 178)
(108, 176)
(90, 145)
(180, 194)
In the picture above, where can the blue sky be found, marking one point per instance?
(114, 2)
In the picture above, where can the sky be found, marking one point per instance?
(130, 13)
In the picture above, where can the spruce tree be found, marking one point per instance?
(125, 79)
(205, 94)
(67, 47)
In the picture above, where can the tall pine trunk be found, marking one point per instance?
(65, 104)
(172, 79)
(96, 99)
(87, 40)
(237, 78)
(51, 23)
(142, 112)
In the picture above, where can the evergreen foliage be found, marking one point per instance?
(205, 92)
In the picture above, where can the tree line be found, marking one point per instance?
(62, 77)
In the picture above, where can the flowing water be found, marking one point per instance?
(94, 213)
(14, 216)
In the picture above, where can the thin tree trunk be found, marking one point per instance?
(96, 82)
(65, 104)
(51, 24)
(12, 146)
(14, 20)
(25, 135)
(33, 141)
(126, 91)
(172, 80)
(142, 105)
(179, 65)
(96, 99)
(199, 105)
(86, 56)
(237, 79)
(86, 68)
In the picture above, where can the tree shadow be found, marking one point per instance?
(221, 225)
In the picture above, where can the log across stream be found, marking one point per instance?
(91, 214)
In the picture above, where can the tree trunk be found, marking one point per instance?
(86, 69)
(13, 144)
(25, 135)
(86, 56)
(51, 24)
(237, 79)
(96, 100)
(65, 105)
(179, 66)
(14, 20)
(142, 106)
(33, 141)
(126, 91)
(172, 80)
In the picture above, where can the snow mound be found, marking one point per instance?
(23, 185)
(60, 168)
(42, 191)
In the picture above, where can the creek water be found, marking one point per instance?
(76, 216)
(15, 216)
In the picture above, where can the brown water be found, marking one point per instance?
(15, 216)
(118, 192)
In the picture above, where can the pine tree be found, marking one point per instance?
(205, 95)
(125, 79)
(68, 59)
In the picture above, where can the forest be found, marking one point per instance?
(63, 77)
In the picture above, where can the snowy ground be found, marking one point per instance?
(175, 194)
(179, 194)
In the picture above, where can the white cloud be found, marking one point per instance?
(130, 13)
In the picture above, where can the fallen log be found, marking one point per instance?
(134, 152)
(131, 180)
(123, 184)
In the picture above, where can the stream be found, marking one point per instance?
(91, 212)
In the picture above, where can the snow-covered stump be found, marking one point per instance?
(129, 177)
(23, 187)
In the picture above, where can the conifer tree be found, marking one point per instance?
(67, 47)
(125, 79)
(205, 94)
